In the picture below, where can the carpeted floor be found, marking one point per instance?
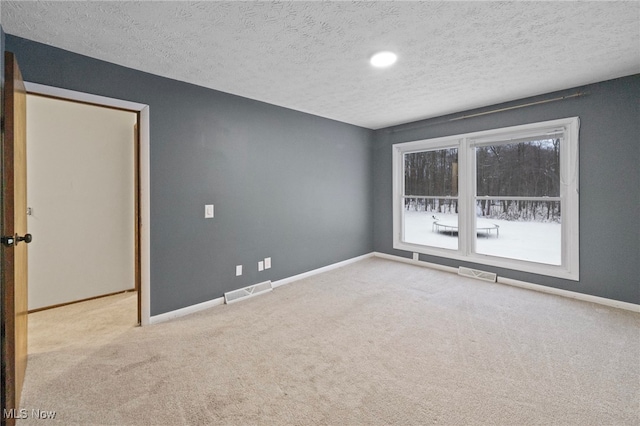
(374, 343)
(93, 323)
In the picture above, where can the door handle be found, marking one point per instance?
(27, 238)
(13, 241)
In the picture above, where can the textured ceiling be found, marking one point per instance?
(313, 56)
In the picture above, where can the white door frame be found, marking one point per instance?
(144, 160)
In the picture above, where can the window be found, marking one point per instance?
(431, 185)
(505, 197)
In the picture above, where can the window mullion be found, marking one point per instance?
(465, 192)
(398, 196)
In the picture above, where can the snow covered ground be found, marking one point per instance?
(531, 241)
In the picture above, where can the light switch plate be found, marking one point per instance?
(267, 263)
(261, 266)
(208, 211)
(238, 270)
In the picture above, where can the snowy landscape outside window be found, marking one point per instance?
(431, 186)
(505, 197)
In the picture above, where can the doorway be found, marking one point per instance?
(140, 181)
(82, 200)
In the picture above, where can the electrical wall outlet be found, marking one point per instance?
(208, 211)
(238, 270)
(267, 263)
(261, 266)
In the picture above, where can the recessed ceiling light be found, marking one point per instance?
(383, 59)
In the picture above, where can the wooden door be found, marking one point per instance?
(13, 251)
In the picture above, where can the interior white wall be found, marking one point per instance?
(80, 177)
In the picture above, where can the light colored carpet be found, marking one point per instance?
(92, 323)
(374, 343)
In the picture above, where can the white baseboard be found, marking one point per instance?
(523, 284)
(220, 300)
(571, 294)
(321, 270)
(501, 280)
(416, 262)
(186, 311)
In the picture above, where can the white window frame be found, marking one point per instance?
(465, 143)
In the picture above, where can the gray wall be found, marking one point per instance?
(310, 192)
(609, 182)
(285, 184)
